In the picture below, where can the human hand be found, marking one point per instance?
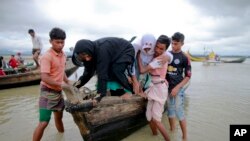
(77, 83)
(174, 91)
(142, 94)
(163, 59)
(64, 85)
(156, 63)
(126, 96)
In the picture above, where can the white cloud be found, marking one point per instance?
(204, 23)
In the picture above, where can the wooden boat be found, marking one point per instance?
(31, 77)
(112, 119)
(237, 60)
(204, 60)
(194, 58)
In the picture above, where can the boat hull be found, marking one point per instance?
(30, 78)
(237, 60)
(113, 118)
(113, 130)
(195, 59)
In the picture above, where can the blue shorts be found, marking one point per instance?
(176, 105)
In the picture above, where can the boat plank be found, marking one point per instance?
(113, 118)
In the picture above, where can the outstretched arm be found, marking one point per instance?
(65, 78)
(89, 71)
(167, 57)
(142, 69)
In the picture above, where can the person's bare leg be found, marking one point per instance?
(35, 57)
(162, 129)
(172, 123)
(183, 125)
(38, 133)
(153, 127)
(58, 121)
(36, 61)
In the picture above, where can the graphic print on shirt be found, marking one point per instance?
(173, 70)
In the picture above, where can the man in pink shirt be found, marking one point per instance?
(52, 78)
(157, 91)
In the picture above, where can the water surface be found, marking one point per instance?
(217, 97)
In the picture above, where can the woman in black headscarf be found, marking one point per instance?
(107, 57)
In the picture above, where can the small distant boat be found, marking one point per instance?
(237, 60)
(211, 62)
(111, 120)
(194, 58)
(211, 59)
(31, 77)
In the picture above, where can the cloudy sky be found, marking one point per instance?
(219, 25)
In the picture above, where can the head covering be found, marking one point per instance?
(147, 41)
(82, 46)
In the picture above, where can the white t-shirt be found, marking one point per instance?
(37, 43)
(167, 53)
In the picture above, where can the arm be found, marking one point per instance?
(170, 56)
(89, 71)
(167, 57)
(176, 89)
(65, 78)
(142, 69)
(102, 69)
(135, 84)
(46, 78)
(187, 72)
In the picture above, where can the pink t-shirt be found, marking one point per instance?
(160, 71)
(158, 90)
(53, 63)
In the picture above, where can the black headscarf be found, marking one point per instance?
(83, 46)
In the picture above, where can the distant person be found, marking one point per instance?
(13, 62)
(4, 64)
(20, 59)
(178, 75)
(158, 88)
(2, 73)
(37, 46)
(108, 58)
(52, 77)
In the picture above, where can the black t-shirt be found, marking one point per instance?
(179, 68)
